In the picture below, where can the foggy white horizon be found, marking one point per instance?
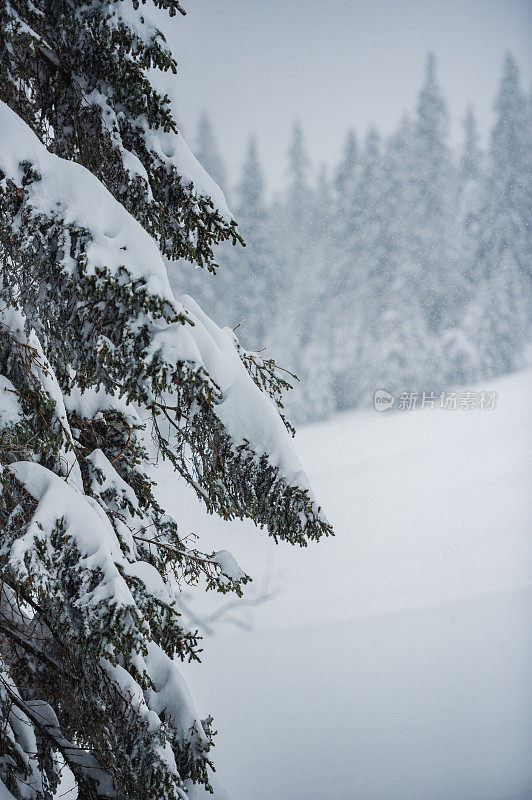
(257, 67)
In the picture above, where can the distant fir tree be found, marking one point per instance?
(323, 205)
(345, 170)
(495, 321)
(401, 349)
(291, 219)
(100, 363)
(437, 275)
(251, 269)
(501, 269)
(460, 354)
(243, 292)
(355, 268)
(405, 351)
(208, 153)
(372, 191)
(312, 397)
(298, 181)
(471, 157)
(470, 184)
(507, 224)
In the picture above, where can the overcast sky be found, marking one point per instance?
(256, 65)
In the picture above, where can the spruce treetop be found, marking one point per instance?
(346, 169)
(432, 117)
(207, 151)
(470, 161)
(251, 186)
(509, 134)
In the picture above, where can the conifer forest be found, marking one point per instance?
(420, 252)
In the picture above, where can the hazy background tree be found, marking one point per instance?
(208, 154)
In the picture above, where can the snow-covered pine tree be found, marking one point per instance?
(459, 357)
(494, 322)
(470, 192)
(403, 354)
(250, 272)
(347, 166)
(354, 265)
(500, 275)
(431, 218)
(305, 286)
(401, 347)
(298, 195)
(291, 218)
(312, 395)
(506, 218)
(96, 357)
(471, 158)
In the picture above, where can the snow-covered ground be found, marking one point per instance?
(391, 662)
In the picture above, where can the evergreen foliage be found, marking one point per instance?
(101, 366)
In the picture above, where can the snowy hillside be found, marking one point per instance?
(391, 661)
